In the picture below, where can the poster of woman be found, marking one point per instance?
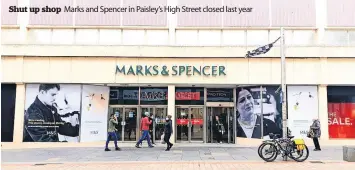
(251, 118)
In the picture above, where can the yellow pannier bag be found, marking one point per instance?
(299, 144)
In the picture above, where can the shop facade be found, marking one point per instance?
(198, 93)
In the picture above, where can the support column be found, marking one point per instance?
(23, 20)
(323, 111)
(321, 20)
(205, 123)
(172, 21)
(171, 109)
(19, 112)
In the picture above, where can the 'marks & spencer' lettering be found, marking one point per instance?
(145, 70)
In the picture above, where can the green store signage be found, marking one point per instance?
(144, 70)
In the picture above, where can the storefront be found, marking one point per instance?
(193, 122)
(131, 103)
(211, 100)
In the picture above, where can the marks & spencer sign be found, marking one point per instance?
(154, 70)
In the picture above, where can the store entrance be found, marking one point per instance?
(159, 115)
(189, 124)
(127, 122)
(220, 125)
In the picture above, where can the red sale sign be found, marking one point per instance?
(341, 120)
(197, 121)
(186, 121)
(182, 121)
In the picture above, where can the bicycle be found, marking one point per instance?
(284, 146)
(273, 138)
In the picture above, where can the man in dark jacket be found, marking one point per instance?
(168, 130)
(42, 121)
(151, 128)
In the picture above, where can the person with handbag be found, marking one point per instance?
(315, 133)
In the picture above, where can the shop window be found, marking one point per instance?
(124, 95)
(189, 96)
(154, 96)
(8, 96)
(220, 95)
(341, 112)
(338, 38)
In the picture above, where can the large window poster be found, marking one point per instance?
(52, 113)
(341, 112)
(252, 121)
(8, 99)
(95, 100)
(302, 108)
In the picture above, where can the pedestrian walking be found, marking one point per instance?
(145, 122)
(168, 130)
(151, 128)
(111, 132)
(315, 128)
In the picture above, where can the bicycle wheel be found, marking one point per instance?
(259, 149)
(268, 152)
(302, 154)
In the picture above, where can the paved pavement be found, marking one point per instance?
(96, 154)
(186, 166)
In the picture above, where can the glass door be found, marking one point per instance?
(159, 116)
(118, 111)
(182, 123)
(196, 124)
(209, 131)
(189, 124)
(220, 125)
(231, 121)
(130, 124)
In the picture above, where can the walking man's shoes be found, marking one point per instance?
(107, 149)
(117, 149)
(151, 146)
(137, 146)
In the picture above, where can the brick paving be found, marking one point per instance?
(203, 165)
(96, 154)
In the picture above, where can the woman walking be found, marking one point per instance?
(168, 130)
